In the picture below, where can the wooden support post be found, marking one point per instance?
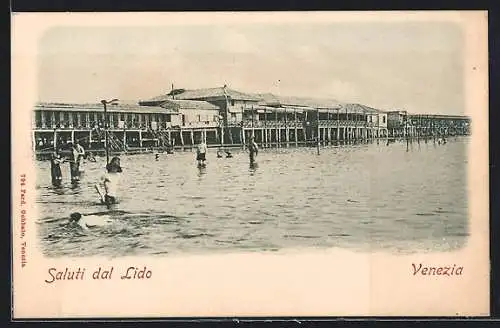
(182, 138)
(33, 141)
(276, 128)
(265, 127)
(231, 136)
(243, 138)
(222, 136)
(43, 122)
(318, 131)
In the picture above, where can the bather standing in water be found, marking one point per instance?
(201, 152)
(55, 169)
(253, 149)
(74, 163)
(110, 182)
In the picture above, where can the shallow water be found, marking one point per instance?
(364, 197)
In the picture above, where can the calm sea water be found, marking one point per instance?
(364, 197)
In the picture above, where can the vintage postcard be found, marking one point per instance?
(250, 164)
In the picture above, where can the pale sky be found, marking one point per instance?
(414, 66)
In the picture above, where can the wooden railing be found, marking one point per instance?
(64, 125)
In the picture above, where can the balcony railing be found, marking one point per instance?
(300, 124)
(201, 124)
(122, 125)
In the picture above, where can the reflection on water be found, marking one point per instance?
(363, 197)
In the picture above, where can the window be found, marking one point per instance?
(233, 116)
(232, 102)
(46, 118)
(84, 120)
(73, 119)
(383, 119)
(38, 119)
(198, 117)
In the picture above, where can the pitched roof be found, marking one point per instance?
(93, 107)
(359, 109)
(218, 92)
(270, 99)
(179, 104)
(157, 99)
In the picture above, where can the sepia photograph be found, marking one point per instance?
(244, 136)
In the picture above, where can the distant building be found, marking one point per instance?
(223, 116)
(231, 103)
(56, 124)
(396, 119)
(191, 113)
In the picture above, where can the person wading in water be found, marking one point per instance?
(80, 155)
(110, 182)
(74, 163)
(201, 152)
(253, 150)
(55, 169)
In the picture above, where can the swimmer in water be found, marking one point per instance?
(75, 219)
(91, 157)
(86, 222)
